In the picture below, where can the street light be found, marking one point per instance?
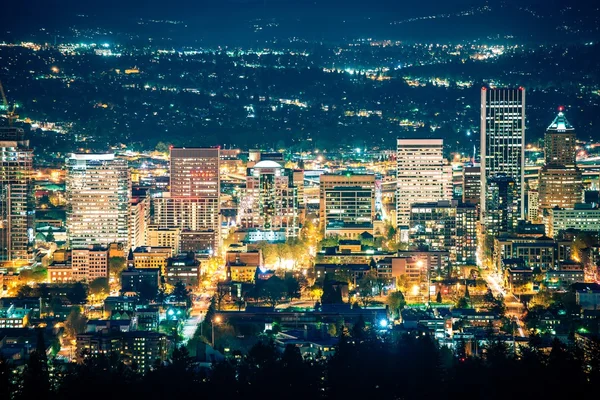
(216, 319)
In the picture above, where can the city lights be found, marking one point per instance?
(310, 200)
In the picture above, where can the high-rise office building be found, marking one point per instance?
(502, 142)
(502, 209)
(190, 214)
(139, 218)
(193, 203)
(268, 208)
(195, 173)
(471, 184)
(16, 204)
(533, 206)
(99, 196)
(347, 180)
(560, 181)
(422, 176)
(347, 204)
(445, 226)
(349, 211)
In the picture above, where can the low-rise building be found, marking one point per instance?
(60, 273)
(152, 257)
(140, 279)
(183, 268)
(14, 317)
(516, 273)
(584, 217)
(588, 297)
(164, 237)
(90, 263)
(138, 348)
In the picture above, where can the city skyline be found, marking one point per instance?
(311, 199)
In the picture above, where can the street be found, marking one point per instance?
(514, 308)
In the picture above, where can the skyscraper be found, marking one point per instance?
(560, 181)
(268, 208)
(194, 200)
(502, 141)
(195, 173)
(16, 206)
(445, 226)
(139, 218)
(422, 176)
(471, 184)
(502, 212)
(98, 194)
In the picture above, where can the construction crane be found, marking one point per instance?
(11, 115)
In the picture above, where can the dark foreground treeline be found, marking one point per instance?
(364, 367)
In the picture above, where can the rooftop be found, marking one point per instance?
(267, 164)
(560, 123)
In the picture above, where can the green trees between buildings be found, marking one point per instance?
(363, 364)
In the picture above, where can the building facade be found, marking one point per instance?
(584, 217)
(194, 200)
(533, 205)
(502, 210)
(269, 205)
(560, 181)
(99, 196)
(471, 184)
(16, 203)
(422, 176)
(349, 211)
(329, 182)
(165, 237)
(185, 269)
(445, 226)
(139, 219)
(89, 264)
(502, 143)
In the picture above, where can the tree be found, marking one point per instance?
(438, 298)
(239, 304)
(27, 291)
(116, 265)
(99, 287)
(75, 323)
(402, 283)
(50, 235)
(78, 293)
(366, 294)
(220, 294)
(292, 286)
(162, 147)
(269, 252)
(35, 379)
(331, 292)
(390, 232)
(273, 290)
(332, 330)
(330, 241)
(181, 293)
(6, 379)
(282, 250)
(316, 293)
(37, 275)
(462, 303)
(396, 302)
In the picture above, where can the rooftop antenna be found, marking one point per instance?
(11, 115)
